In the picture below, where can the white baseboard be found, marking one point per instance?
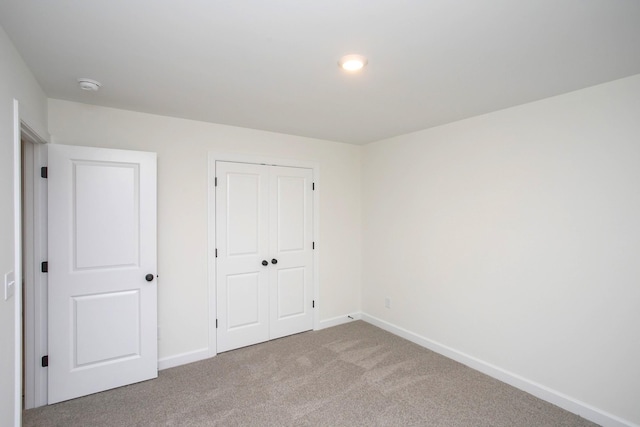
(183, 358)
(339, 320)
(545, 393)
(203, 353)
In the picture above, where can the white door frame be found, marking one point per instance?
(34, 248)
(21, 130)
(211, 222)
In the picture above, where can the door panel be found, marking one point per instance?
(106, 214)
(290, 213)
(242, 235)
(102, 243)
(243, 213)
(243, 300)
(114, 317)
(291, 293)
(291, 238)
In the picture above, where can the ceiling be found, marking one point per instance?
(272, 65)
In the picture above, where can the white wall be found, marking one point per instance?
(514, 238)
(182, 147)
(511, 237)
(16, 82)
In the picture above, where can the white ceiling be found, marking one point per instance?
(272, 65)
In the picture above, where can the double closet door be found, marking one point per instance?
(264, 245)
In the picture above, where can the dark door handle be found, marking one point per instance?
(274, 261)
(148, 277)
(264, 262)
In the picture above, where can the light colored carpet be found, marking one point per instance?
(350, 375)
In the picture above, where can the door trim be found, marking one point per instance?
(21, 131)
(34, 248)
(213, 157)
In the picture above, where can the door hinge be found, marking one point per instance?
(313, 245)
(216, 323)
(44, 267)
(313, 304)
(45, 361)
(216, 252)
(215, 181)
(44, 172)
(313, 186)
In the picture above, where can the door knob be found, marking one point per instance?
(264, 262)
(148, 277)
(274, 261)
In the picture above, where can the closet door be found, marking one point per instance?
(290, 246)
(242, 249)
(264, 228)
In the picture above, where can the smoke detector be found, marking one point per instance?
(89, 85)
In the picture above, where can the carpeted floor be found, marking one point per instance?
(350, 375)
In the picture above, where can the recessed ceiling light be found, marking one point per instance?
(88, 84)
(352, 63)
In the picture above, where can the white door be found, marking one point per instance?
(242, 249)
(102, 270)
(264, 253)
(290, 247)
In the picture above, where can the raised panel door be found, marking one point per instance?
(242, 236)
(102, 243)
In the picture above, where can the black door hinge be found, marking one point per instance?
(216, 323)
(216, 252)
(313, 186)
(313, 245)
(44, 267)
(215, 181)
(44, 172)
(313, 304)
(45, 361)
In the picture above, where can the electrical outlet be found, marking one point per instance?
(387, 302)
(9, 285)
